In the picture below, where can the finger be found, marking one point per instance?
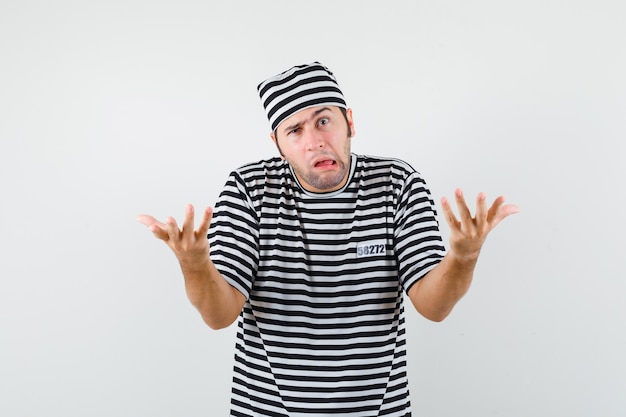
(156, 227)
(448, 214)
(499, 211)
(504, 212)
(172, 228)
(187, 232)
(203, 229)
(493, 210)
(146, 220)
(481, 210)
(160, 231)
(464, 212)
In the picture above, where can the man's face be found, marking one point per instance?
(316, 143)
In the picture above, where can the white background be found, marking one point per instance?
(109, 109)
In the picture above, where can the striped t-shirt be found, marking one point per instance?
(322, 331)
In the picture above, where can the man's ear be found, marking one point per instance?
(275, 140)
(350, 122)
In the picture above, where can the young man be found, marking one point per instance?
(313, 251)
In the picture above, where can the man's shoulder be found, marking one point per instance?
(261, 166)
(369, 162)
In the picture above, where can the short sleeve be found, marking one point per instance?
(418, 242)
(234, 235)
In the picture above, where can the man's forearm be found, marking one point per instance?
(218, 302)
(435, 295)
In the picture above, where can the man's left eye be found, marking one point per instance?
(323, 121)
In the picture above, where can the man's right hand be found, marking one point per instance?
(218, 302)
(190, 246)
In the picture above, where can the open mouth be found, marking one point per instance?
(325, 163)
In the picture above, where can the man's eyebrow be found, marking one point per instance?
(313, 116)
(319, 111)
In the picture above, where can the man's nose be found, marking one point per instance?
(315, 140)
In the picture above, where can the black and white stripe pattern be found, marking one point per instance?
(322, 332)
(298, 88)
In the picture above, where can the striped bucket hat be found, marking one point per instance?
(298, 88)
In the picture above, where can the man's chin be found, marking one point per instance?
(328, 184)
